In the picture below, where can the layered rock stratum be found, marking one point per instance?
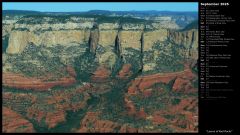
(18, 40)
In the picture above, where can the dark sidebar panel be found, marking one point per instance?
(217, 62)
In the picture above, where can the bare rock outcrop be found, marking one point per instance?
(18, 40)
(187, 38)
(21, 82)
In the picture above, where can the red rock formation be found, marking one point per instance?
(143, 85)
(158, 119)
(186, 103)
(179, 84)
(183, 125)
(85, 87)
(147, 93)
(33, 113)
(101, 74)
(125, 72)
(126, 129)
(133, 89)
(143, 82)
(92, 124)
(130, 107)
(54, 118)
(9, 96)
(61, 100)
(19, 81)
(141, 114)
(13, 122)
(105, 126)
(187, 107)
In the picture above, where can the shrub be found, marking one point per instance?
(85, 65)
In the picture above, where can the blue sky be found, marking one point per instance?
(113, 6)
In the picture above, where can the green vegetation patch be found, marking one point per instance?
(85, 65)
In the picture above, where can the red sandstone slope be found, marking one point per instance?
(125, 72)
(101, 74)
(182, 116)
(143, 82)
(19, 81)
(13, 122)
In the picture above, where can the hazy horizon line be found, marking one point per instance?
(111, 6)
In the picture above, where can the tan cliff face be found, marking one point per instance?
(130, 39)
(63, 37)
(105, 36)
(18, 40)
(151, 37)
(187, 38)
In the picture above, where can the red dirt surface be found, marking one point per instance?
(131, 110)
(179, 84)
(141, 114)
(182, 116)
(101, 74)
(189, 120)
(147, 93)
(19, 81)
(143, 82)
(126, 129)
(53, 118)
(91, 123)
(13, 122)
(125, 72)
(158, 119)
(61, 102)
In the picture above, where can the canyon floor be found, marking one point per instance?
(127, 102)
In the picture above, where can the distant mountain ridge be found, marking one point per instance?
(14, 12)
(181, 18)
(107, 12)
